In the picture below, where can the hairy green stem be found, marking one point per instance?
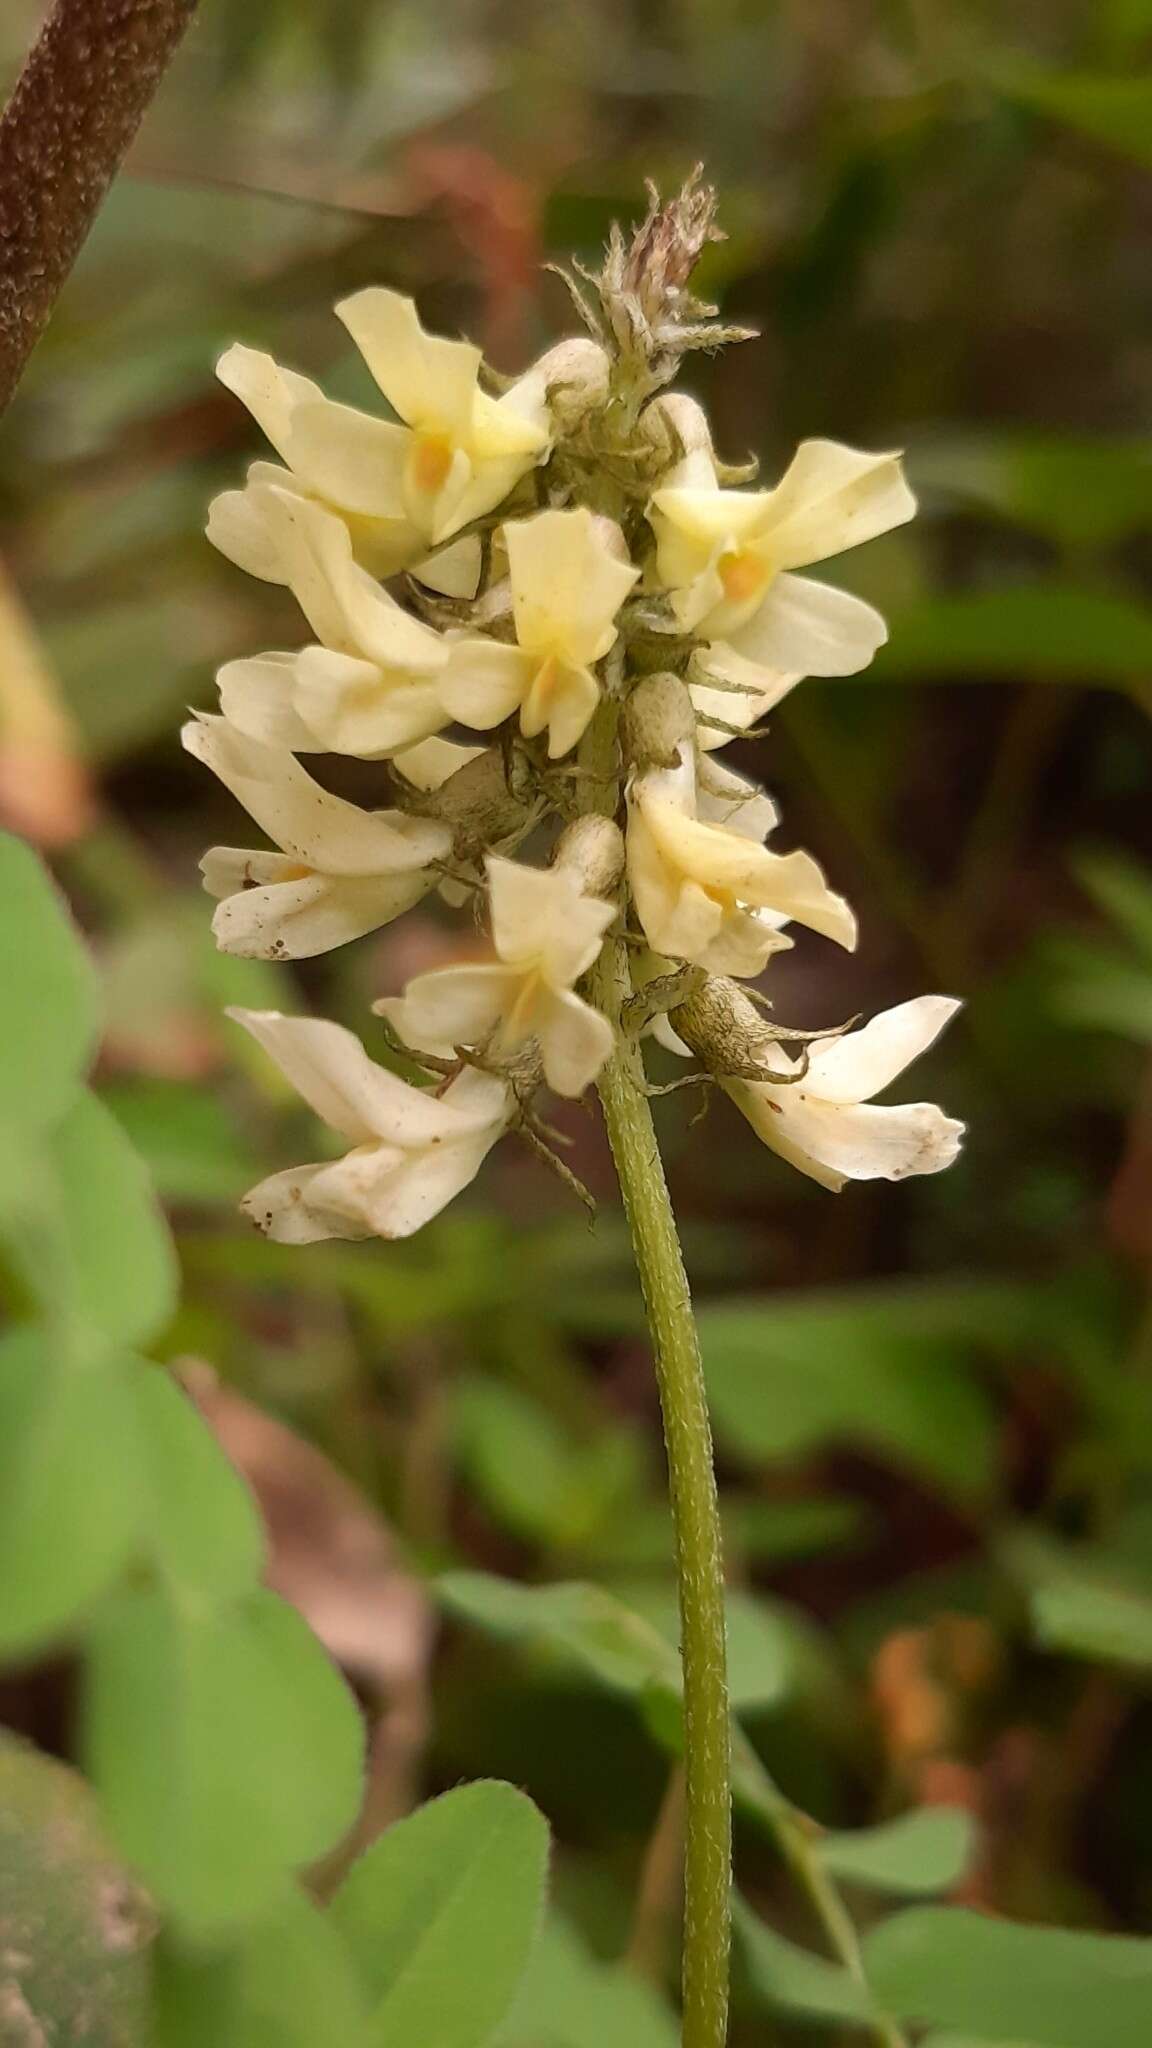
(692, 1483)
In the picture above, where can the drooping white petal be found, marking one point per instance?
(257, 696)
(723, 797)
(810, 628)
(832, 498)
(484, 680)
(289, 1210)
(724, 862)
(858, 1065)
(575, 1041)
(837, 1142)
(361, 1100)
(428, 381)
(570, 575)
(238, 528)
(274, 909)
(318, 829)
(450, 1006)
(347, 609)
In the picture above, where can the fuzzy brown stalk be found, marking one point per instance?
(87, 83)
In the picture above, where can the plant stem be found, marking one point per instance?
(74, 110)
(692, 1480)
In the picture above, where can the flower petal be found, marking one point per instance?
(297, 915)
(756, 691)
(430, 382)
(832, 498)
(256, 696)
(542, 920)
(484, 680)
(811, 629)
(453, 570)
(330, 1068)
(355, 707)
(725, 798)
(289, 1208)
(451, 1006)
(270, 392)
(575, 1041)
(791, 883)
(346, 608)
(318, 829)
(429, 765)
(568, 583)
(834, 1142)
(859, 1065)
(351, 458)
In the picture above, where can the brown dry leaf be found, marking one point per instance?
(334, 1557)
(45, 789)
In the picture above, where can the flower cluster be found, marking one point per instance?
(565, 570)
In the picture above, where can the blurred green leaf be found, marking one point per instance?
(202, 1522)
(441, 1913)
(226, 1748)
(287, 1982)
(1076, 490)
(76, 1926)
(569, 2000)
(1050, 631)
(1116, 111)
(537, 1479)
(1123, 891)
(51, 997)
(71, 1486)
(119, 1263)
(793, 1980)
(776, 1531)
(186, 1138)
(884, 1367)
(584, 1624)
(1044, 1985)
(927, 1850)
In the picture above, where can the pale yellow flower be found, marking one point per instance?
(546, 933)
(568, 574)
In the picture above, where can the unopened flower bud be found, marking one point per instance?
(658, 718)
(725, 1030)
(592, 849)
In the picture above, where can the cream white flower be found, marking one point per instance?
(340, 872)
(826, 1122)
(401, 487)
(546, 933)
(727, 557)
(370, 688)
(569, 574)
(706, 890)
(412, 1149)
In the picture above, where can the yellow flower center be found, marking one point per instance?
(520, 1017)
(743, 575)
(298, 873)
(431, 461)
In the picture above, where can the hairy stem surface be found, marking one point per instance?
(74, 110)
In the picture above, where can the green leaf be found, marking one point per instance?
(71, 1486)
(537, 1480)
(1056, 631)
(186, 1138)
(1044, 1985)
(1113, 110)
(1123, 890)
(1087, 1617)
(879, 1366)
(201, 1519)
(585, 1625)
(441, 1913)
(569, 2000)
(51, 997)
(924, 1851)
(791, 1979)
(287, 1982)
(763, 1647)
(119, 1263)
(225, 1746)
(1077, 490)
(77, 1929)
(777, 1531)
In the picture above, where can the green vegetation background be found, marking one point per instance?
(933, 1403)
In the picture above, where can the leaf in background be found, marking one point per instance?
(585, 1624)
(51, 996)
(1123, 891)
(1114, 110)
(74, 1965)
(768, 1642)
(1099, 988)
(186, 1138)
(777, 1531)
(792, 1979)
(1076, 490)
(122, 1278)
(226, 1748)
(537, 1479)
(1088, 1618)
(71, 1486)
(287, 1982)
(201, 1520)
(570, 2000)
(927, 1850)
(882, 1367)
(441, 1913)
(1044, 1985)
(1055, 632)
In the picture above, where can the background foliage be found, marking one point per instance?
(932, 1402)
